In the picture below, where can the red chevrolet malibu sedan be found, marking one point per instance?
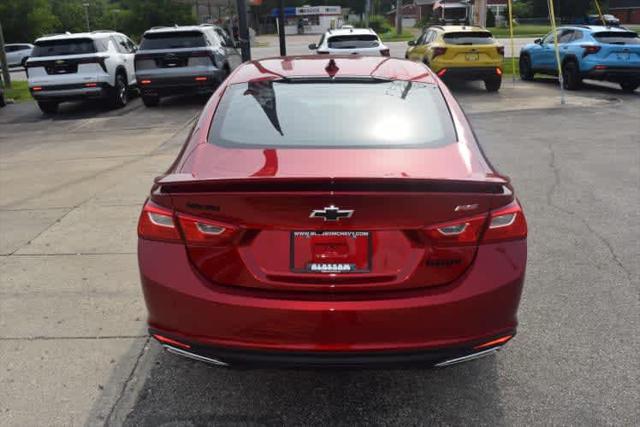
(332, 211)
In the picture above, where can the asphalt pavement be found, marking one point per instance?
(73, 347)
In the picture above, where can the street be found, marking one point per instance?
(73, 343)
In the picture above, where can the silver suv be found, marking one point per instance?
(66, 67)
(175, 60)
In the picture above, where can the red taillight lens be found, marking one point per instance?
(589, 49)
(498, 71)
(385, 52)
(460, 232)
(442, 72)
(507, 223)
(500, 50)
(205, 231)
(437, 51)
(156, 223)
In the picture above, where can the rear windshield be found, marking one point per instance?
(469, 37)
(617, 37)
(173, 40)
(353, 41)
(337, 114)
(65, 47)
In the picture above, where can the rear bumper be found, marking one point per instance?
(613, 74)
(70, 92)
(475, 73)
(436, 323)
(222, 356)
(161, 86)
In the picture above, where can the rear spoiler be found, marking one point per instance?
(185, 183)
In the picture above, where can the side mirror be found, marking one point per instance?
(411, 42)
(538, 41)
(313, 46)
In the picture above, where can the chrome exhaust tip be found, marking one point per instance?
(468, 357)
(193, 356)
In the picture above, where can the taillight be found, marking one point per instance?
(458, 232)
(385, 52)
(507, 223)
(442, 72)
(205, 231)
(156, 223)
(589, 49)
(500, 50)
(437, 51)
(498, 71)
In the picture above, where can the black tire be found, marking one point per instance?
(629, 86)
(150, 100)
(571, 76)
(48, 107)
(526, 72)
(493, 84)
(120, 92)
(2, 102)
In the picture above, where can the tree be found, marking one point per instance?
(25, 20)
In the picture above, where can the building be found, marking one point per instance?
(410, 15)
(310, 19)
(627, 11)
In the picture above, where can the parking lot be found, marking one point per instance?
(73, 343)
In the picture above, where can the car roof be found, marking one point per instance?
(460, 28)
(346, 31)
(178, 28)
(347, 66)
(92, 35)
(593, 28)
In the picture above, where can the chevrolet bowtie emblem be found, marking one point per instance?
(331, 213)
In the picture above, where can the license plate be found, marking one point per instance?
(330, 251)
(472, 57)
(623, 56)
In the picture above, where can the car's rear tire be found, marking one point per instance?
(526, 72)
(150, 100)
(629, 86)
(48, 107)
(571, 76)
(120, 94)
(493, 84)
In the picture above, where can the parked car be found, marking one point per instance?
(67, 67)
(349, 40)
(175, 60)
(17, 53)
(609, 20)
(460, 52)
(332, 212)
(586, 52)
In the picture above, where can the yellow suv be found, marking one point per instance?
(460, 52)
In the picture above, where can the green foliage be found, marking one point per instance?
(26, 20)
(379, 24)
(521, 9)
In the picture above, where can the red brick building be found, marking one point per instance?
(627, 11)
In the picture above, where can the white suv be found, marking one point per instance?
(67, 67)
(349, 40)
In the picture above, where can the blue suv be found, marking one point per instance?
(586, 52)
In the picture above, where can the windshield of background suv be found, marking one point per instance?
(469, 37)
(353, 41)
(173, 40)
(617, 37)
(332, 114)
(64, 47)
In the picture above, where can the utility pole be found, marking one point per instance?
(480, 13)
(243, 30)
(86, 16)
(3, 59)
(283, 46)
(398, 17)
